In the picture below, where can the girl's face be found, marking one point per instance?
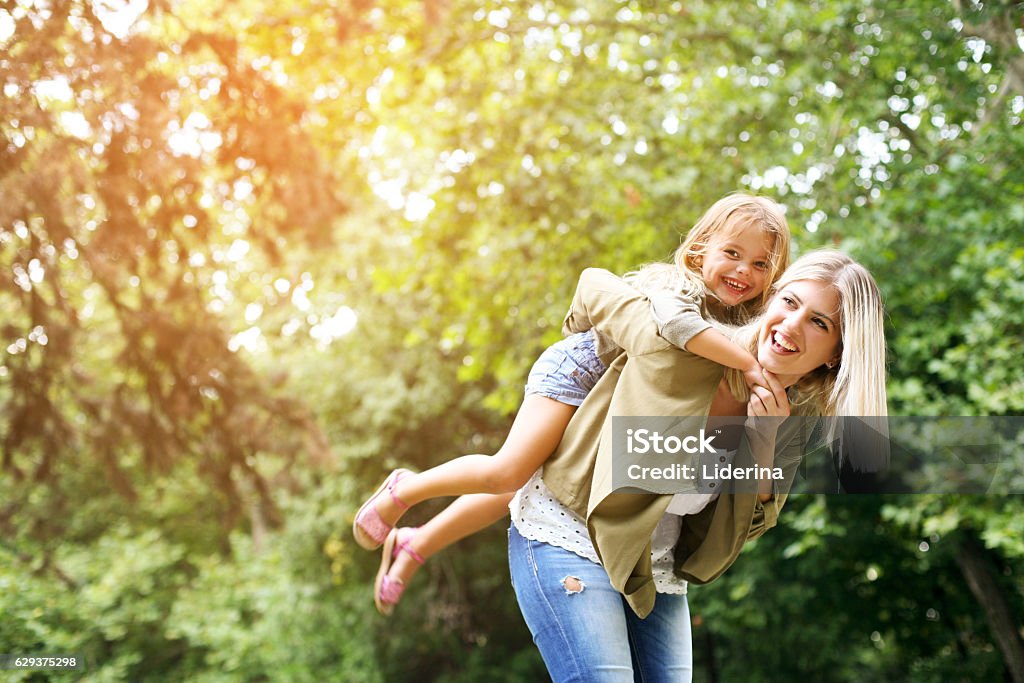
(801, 330)
(735, 267)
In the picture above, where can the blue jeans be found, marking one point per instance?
(592, 635)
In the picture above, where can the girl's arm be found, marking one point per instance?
(621, 313)
(714, 345)
(681, 323)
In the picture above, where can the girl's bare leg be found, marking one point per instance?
(534, 435)
(467, 515)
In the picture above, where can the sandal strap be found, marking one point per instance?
(404, 547)
(369, 528)
(398, 475)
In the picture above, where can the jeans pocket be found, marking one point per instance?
(562, 367)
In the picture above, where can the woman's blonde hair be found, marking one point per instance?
(856, 385)
(724, 218)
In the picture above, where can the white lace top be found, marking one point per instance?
(539, 516)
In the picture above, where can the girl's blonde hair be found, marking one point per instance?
(856, 386)
(726, 217)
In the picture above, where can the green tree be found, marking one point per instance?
(257, 254)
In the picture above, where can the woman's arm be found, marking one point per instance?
(791, 444)
(767, 408)
(775, 441)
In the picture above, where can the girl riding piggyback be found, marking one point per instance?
(722, 271)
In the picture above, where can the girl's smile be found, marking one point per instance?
(734, 268)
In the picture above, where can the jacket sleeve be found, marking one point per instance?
(616, 310)
(766, 515)
(712, 539)
(788, 456)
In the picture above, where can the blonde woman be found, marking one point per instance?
(601, 575)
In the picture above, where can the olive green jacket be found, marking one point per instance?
(647, 376)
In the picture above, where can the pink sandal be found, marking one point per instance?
(387, 591)
(368, 528)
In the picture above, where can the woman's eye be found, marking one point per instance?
(788, 300)
(821, 323)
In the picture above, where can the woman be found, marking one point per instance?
(820, 341)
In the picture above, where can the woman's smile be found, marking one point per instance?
(801, 330)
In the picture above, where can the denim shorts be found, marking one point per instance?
(567, 370)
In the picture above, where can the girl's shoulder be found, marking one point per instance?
(666, 278)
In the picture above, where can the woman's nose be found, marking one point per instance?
(790, 324)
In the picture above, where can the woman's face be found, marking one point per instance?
(801, 330)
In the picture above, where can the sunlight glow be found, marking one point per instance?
(118, 16)
(193, 137)
(251, 340)
(54, 89)
(253, 312)
(338, 325)
(418, 206)
(7, 26)
(74, 124)
(872, 147)
(237, 250)
(300, 300)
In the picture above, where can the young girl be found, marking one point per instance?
(725, 266)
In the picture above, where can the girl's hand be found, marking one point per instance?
(754, 376)
(768, 402)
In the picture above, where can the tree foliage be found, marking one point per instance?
(257, 253)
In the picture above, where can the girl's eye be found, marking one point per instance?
(732, 252)
(761, 265)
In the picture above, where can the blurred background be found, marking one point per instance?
(255, 254)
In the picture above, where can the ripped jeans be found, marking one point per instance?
(584, 628)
